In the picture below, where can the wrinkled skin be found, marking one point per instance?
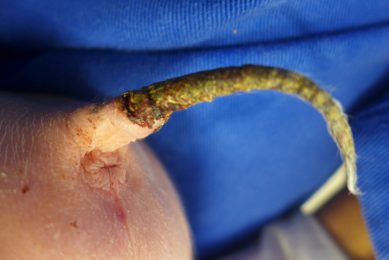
(71, 187)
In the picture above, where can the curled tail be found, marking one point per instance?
(157, 101)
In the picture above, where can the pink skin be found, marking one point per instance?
(76, 185)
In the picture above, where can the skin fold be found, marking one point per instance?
(74, 184)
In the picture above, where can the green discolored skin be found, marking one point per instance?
(156, 102)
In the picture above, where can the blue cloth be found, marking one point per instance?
(242, 160)
(371, 128)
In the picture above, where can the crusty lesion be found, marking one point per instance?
(140, 109)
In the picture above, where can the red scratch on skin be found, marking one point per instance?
(118, 219)
(121, 214)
